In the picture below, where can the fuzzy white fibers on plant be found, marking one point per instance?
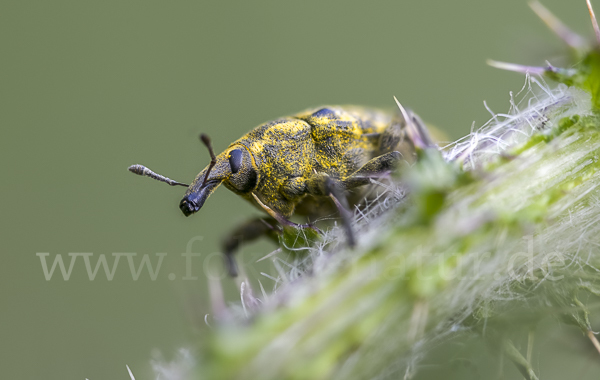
(180, 368)
(536, 107)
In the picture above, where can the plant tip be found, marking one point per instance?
(563, 32)
(594, 21)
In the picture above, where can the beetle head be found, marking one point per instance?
(235, 167)
(204, 184)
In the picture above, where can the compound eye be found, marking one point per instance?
(325, 112)
(235, 160)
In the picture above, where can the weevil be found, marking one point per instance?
(305, 164)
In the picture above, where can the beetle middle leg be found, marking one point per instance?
(374, 168)
(246, 232)
(320, 184)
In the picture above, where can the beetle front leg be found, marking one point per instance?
(281, 218)
(246, 232)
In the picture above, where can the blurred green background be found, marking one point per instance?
(88, 88)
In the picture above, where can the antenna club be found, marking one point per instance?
(144, 171)
(213, 160)
(137, 169)
(205, 139)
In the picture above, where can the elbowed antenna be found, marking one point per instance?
(213, 160)
(144, 171)
(203, 185)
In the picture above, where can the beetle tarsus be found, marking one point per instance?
(341, 203)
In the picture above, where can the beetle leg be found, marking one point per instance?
(339, 198)
(246, 232)
(391, 137)
(293, 188)
(317, 184)
(320, 184)
(376, 167)
(282, 219)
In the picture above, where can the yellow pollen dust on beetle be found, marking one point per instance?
(304, 165)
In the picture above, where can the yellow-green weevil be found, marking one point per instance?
(304, 164)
